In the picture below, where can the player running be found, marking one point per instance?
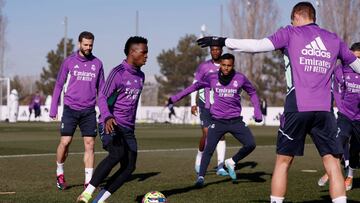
(227, 85)
(117, 122)
(209, 66)
(310, 54)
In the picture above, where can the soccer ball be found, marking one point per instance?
(154, 197)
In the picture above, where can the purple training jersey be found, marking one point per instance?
(85, 78)
(203, 69)
(227, 100)
(347, 92)
(35, 102)
(128, 82)
(310, 54)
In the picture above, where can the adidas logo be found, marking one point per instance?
(316, 48)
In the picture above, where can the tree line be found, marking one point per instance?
(248, 19)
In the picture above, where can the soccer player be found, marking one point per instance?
(227, 85)
(36, 106)
(264, 107)
(85, 78)
(171, 112)
(117, 122)
(310, 54)
(209, 66)
(347, 97)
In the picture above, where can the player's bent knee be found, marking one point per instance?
(250, 147)
(114, 158)
(131, 168)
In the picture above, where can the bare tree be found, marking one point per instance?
(2, 37)
(341, 17)
(253, 19)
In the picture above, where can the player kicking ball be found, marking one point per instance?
(227, 85)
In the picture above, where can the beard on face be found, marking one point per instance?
(86, 53)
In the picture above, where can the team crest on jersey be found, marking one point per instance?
(76, 66)
(347, 77)
(128, 83)
(218, 84)
(93, 67)
(135, 81)
(210, 71)
(235, 84)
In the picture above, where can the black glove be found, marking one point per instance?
(211, 41)
(258, 120)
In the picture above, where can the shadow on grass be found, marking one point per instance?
(326, 198)
(322, 200)
(175, 191)
(242, 177)
(356, 183)
(137, 176)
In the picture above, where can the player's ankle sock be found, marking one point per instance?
(341, 199)
(59, 168)
(88, 174)
(350, 172)
(275, 199)
(198, 158)
(220, 150)
(90, 189)
(102, 196)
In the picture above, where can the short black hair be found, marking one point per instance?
(134, 40)
(355, 46)
(86, 35)
(227, 56)
(305, 9)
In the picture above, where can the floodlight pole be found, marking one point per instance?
(137, 23)
(137, 34)
(221, 21)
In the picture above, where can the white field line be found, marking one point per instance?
(139, 151)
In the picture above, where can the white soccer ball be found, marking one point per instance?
(154, 197)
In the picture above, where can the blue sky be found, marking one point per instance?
(35, 27)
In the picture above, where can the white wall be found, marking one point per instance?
(156, 114)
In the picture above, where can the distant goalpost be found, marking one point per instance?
(4, 98)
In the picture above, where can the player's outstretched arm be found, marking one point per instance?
(194, 87)
(242, 45)
(209, 40)
(250, 89)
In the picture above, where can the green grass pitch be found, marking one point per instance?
(165, 163)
